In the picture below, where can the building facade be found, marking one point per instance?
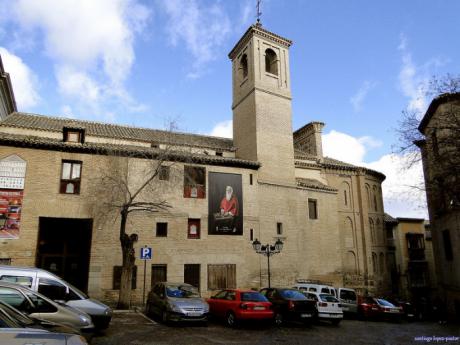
(441, 167)
(267, 183)
(412, 269)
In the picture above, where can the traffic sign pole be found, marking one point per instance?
(143, 292)
(146, 254)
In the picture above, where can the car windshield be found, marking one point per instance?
(253, 297)
(292, 294)
(182, 291)
(384, 303)
(17, 315)
(328, 298)
(348, 295)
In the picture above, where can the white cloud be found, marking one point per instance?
(411, 84)
(90, 42)
(346, 147)
(66, 110)
(358, 98)
(223, 129)
(202, 28)
(23, 80)
(402, 193)
(413, 79)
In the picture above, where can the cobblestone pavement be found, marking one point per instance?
(136, 329)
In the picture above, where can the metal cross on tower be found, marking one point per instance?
(258, 12)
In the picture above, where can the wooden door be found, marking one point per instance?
(192, 275)
(159, 274)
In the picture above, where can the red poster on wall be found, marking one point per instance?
(10, 213)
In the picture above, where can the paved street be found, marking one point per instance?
(136, 329)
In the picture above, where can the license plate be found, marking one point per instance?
(193, 314)
(335, 315)
(259, 308)
(395, 310)
(305, 315)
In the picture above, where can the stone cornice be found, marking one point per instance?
(259, 31)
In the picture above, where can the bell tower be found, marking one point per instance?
(262, 124)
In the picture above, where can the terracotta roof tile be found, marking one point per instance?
(55, 124)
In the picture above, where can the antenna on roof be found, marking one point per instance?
(258, 14)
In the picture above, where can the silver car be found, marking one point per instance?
(177, 302)
(38, 306)
(14, 331)
(21, 336)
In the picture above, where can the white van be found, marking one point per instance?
(318, 288)
(57, 289)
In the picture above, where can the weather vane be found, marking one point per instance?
(258, 12)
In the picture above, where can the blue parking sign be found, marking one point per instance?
(146, 253)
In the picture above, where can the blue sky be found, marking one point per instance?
(355, 65)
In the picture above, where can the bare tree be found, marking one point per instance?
(128, 184)
(443, 136)
(408, 133)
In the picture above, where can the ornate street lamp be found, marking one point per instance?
(267, 250)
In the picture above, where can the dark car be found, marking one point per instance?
(379, 308)
(290, 305)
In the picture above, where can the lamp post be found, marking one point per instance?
(268, 250)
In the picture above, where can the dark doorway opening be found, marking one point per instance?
(192, 275)
(63, 248)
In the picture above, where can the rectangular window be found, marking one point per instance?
(251, 234)
(162, 230)
(279, 228)
(250, 179)
(21, 280)
(193, 230)
(447, 245)
(312, 209)
(117, 278)
(194, 182)
(163, 173)
(221, 277)
(70, 177)
(73, 135)
(5, 261)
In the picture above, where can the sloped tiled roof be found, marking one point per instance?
(389, 219)
(122, 150)
(314, 184)
(99, 129)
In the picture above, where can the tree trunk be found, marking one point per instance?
(129, 257)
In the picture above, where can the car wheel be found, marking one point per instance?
(231, 319)
(164, 317)
(148, 309)
(278, 319)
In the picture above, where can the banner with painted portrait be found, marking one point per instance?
(225, 204)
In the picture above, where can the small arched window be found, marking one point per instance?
(243, 68)
(271, 62)
(372, 230)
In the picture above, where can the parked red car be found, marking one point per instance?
(237, 305)
(371, 307)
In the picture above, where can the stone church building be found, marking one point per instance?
(329, 214)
